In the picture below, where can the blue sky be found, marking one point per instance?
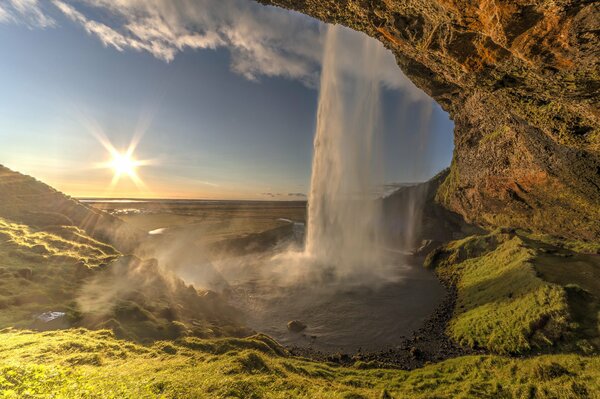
(225, 93)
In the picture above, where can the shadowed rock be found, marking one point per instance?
(296, 326)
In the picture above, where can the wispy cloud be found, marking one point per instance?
(28, 12)
(149, 32)
(4, 15)
(263, 41)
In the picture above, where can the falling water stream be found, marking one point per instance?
(343, 217)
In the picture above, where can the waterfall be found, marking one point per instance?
(343, 213)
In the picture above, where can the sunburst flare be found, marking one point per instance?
(122, 163)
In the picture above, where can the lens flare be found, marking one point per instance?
(123, 164)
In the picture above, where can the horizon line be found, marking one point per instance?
(180, 199)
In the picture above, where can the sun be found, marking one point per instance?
(123, 164)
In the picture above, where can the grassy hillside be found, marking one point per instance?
(83, 364)
(42, 270)
(516, 294)
(28, 201)
(54, 257)
(62, 269)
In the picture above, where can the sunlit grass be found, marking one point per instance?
(42, 270)
(60, 268)
(80, 364)
(502, 305)
(55, 242)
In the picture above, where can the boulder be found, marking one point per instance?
(51, 320)
(296, 326)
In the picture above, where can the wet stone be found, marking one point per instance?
(296, 326)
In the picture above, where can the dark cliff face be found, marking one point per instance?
(521, 80)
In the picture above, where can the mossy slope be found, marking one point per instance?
(43, 270)
(505, 305)
(63, 269)
(27, 201)
(83, 364)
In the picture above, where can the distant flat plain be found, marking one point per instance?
(217, 220)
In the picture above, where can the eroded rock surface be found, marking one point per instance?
(521, 80)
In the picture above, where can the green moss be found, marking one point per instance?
(502, 305)
(579, 274)
(495, 135)
(60, 365)
(587, 247)
(49, 269)
(65, 243)
(448, 186)
(42, 270)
